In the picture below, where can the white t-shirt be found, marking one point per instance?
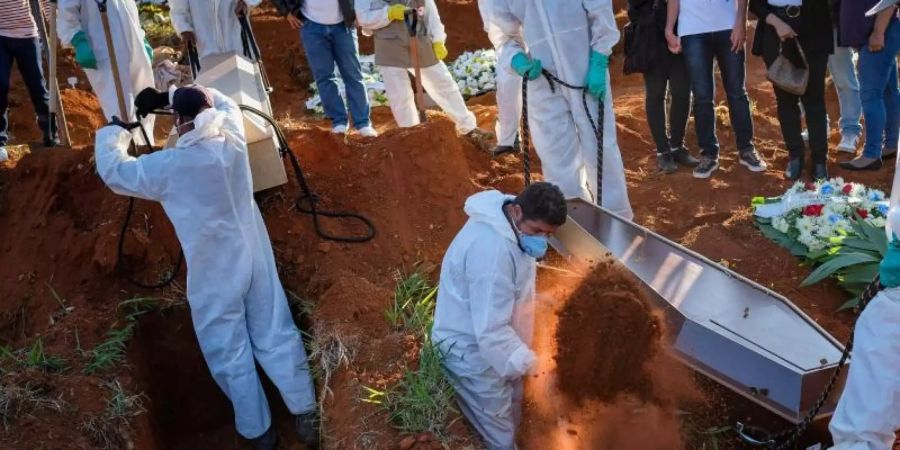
(706, 16)
(325, 12)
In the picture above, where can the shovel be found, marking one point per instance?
(113, 61)
(411, 18)
(49, 46)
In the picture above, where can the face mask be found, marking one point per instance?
(533, 246)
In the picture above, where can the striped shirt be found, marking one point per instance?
(16, 20)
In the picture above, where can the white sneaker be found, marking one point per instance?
(4, 155)
(805, 136)
(367, 132)
(848, 143)
(339, 129)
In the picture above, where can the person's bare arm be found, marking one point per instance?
(672, 40)
(739, 32)
(882, 20)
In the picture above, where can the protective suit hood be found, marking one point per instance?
(487, 207)
(207, 125)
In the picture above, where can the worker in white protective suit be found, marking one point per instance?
(79, 26)
(384, 20)
(211, 25)
(572, 40)
(509, 90)
(485, 313)
(868, 413)
(238, 305)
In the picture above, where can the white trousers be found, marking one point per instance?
(566, 143)
(509, 106)
(133, 82)
(439, 85)
(868, 412)
(493, 405)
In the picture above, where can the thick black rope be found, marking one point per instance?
(787, 438)
(307, 202)
(120, 250)
(597, 127)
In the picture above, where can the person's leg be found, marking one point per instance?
(867, 413)
(555, 139)
(788, 107)
(445, 92)
(320, 49)
(275, 338)
(346, 54)
(6, 61)
(655, 82)
(509, 107)
(874, 73)
(733, 69)
(487, 401)
(400, 95)
(680, 105)
(842, 67)
(698, 58)
(892, 112)
(816, 114)
(28, 57)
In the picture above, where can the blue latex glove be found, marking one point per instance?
(149, 49)
(596, 76)
(525, 66)
(84, 54)
(889, 269)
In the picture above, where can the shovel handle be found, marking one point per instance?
(113, 61)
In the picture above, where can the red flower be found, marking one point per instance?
(847, 188)
(862, 213)
(810, 186)
(813, 210)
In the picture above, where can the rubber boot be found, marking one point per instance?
(666, 162)
(49, 129)
(308, 429)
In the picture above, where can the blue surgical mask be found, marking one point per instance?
(533, 246)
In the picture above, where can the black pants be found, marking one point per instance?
(813, 100)
(669, 76)
(25, 52)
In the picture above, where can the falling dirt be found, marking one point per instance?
(60, 226)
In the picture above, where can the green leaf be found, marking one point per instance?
(849, 304)
(861, 244)
(860, 274)
(796, 248)
(831, 266)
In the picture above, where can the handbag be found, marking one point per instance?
(643, 43)
(786, 75)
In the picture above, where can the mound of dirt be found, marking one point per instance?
(607, 334)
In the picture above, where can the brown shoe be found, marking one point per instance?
(481, 139)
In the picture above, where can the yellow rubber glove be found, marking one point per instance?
(440, 50)
(396, 12)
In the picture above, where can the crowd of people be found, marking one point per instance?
(560, 50)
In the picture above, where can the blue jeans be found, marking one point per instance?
(880, 94)
(700, 50)
(327, 46)
(843, 73)
(25, 52)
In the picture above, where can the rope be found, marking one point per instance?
(787, 438)
(597, 127)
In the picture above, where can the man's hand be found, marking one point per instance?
(738, 36)
(876, 41)
(241, 9)
(294, 22)
(784, 30)
(127, 126)
(673, 42)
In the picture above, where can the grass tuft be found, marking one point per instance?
(413, 308)
(18, 401)
(110, 352)
(111, 429)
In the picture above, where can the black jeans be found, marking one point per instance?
(789, 114)
(669, 75)
(26, 53)
(700, 51)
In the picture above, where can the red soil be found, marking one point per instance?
(60, 225)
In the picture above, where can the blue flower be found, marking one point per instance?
(827, 189)
(883, 208)
(833, 218)
(876, 196)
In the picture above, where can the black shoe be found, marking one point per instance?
(862, 163)
(794, 169)
(820, 171)
(308, 429)
(889, 153)
(501, 150)
(666, 162)
(268, 440)
(51, 134)
(707, 166)
(683, 157)
(751, 160)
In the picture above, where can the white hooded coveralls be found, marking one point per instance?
(238, 306)
(484, 319)
(562, 33)
(436, 80)
(509, 85)
(213, 22)
(135, 70)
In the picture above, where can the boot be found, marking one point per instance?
(49, 129)
(501, 150)
(820, 171)
(308, 429)
(683, 157)
(862, 163)
(480, 138)
(268, 440)
(666, 162)
(794, 168)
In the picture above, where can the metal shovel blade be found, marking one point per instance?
(740, 334)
